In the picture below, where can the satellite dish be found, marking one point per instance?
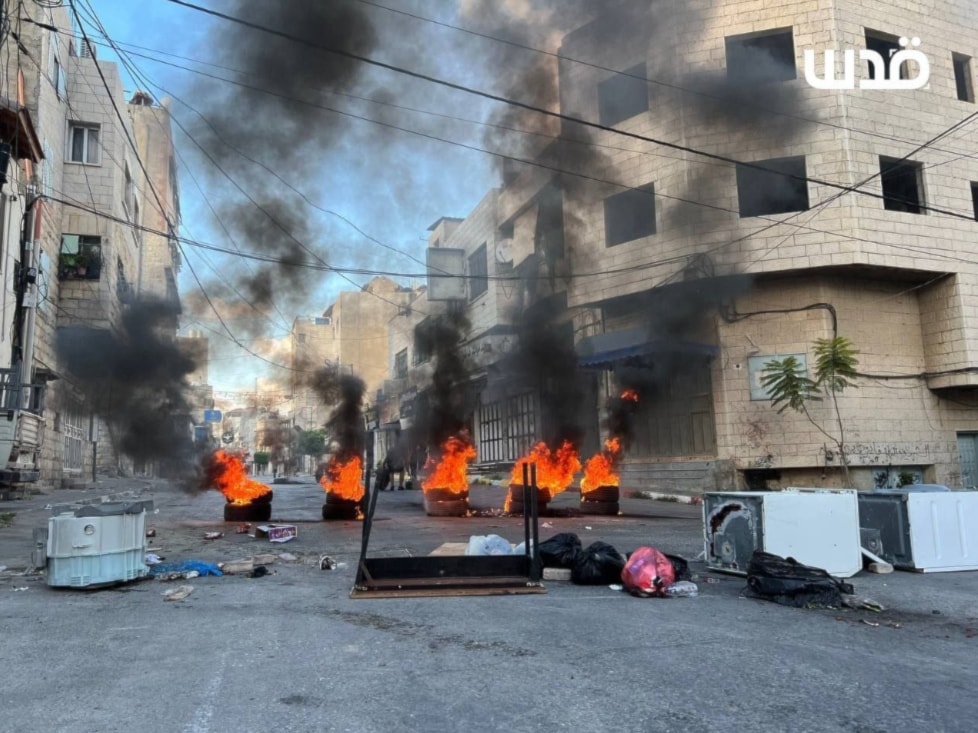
(504, 253)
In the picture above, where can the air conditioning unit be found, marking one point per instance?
(924, 528)
(817, 527)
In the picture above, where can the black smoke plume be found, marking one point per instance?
(445, 414)
(136, 382)
(345, 424)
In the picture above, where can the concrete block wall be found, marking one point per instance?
(886, 422)
(840, 133)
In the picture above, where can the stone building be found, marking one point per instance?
(702, 224)
(92, 207)
(704, 270)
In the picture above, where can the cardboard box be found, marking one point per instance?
(277, 532)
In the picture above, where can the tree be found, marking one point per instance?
(835, 371)
(312, 443)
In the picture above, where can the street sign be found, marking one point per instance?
(212, 416)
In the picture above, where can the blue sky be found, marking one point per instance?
(424, 179)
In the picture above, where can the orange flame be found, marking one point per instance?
(344, 480)
(555, 469)
(630, 394)
(600, 468)
(450, 472)
(226, 472)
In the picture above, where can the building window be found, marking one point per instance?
(629, 215)
(779, 189)
(300, 338)
(80, 257)
(962, 77)
(401, 364)
(761, 58)
(478, 272)
(903, 188)
(83, 143)
(974, 198)
(885, 45)
(623, 96)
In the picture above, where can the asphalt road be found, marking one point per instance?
(292, 651)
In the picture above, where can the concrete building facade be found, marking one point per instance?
(705, 270)
(703, 225)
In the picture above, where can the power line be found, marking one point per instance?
(540, 110)
(625, 73)
(537, 163)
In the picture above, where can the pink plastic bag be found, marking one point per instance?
(648, 573)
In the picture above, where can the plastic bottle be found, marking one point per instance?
(682, 589)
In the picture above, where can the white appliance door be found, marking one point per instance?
(817, 528)
(944, 530)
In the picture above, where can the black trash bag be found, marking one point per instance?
(598, 564)
(788, 582)
(680, 566)
(560, 550)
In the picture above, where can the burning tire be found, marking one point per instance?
(606, 508)
(256, 511)
(453, 508)
(337, 508)
(601, 493)
(602, 500)
(515, 500)
(445, 495)
(446, 503)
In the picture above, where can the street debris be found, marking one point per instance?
(789, 583)
(182, 570)
(598, 564)
(648, 573)
(560, 551)
(152, 559)
(616, 586)
(243, 528)
(288, 557)
(327, 563)
(491, 544)
(682, 589)
(178, 593)
(213, 535)
(21, 588)
(556, 574)
(151, 532)
(870, 623)
(276, 532)
(547, 525)
(876, 564)
(867, 604)
(237, 567)
(260, 571)
(266, 559)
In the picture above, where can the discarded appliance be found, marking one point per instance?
(95, 544)
(452, 575)
(923, 529)
(817, 527)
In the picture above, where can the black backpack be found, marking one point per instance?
(788, 582)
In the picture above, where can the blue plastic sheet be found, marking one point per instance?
(185, 566)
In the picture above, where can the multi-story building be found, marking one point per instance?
(89, 245)
(702, 224)
(699, 270)
(352, 336)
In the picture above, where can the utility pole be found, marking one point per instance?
(28, 287)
